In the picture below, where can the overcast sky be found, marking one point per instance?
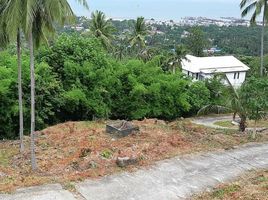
(161, 9)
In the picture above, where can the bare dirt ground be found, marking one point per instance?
(75, 151)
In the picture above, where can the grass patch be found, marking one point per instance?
(228, 190)
(250, 123)
(6, 155)
(252, 185)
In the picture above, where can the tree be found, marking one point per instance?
(7, 13)
(255, 98)
(234, 103)
(196, 41)
(257, 7)
(36, 18)
(176, 59)
(102, 28)
(140, 31)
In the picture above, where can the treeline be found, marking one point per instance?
(76, 79)
(237, 40)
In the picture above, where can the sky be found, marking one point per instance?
(161, 9)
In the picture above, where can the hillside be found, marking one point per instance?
(74, 151)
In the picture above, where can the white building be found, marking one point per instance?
(200, 68)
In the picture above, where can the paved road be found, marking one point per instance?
(176, 178)
(209, 121)
(47, 192)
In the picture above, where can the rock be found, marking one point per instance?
(126, 161)
(235, 123)
(2, 174)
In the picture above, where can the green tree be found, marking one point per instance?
(255, 98)
(233, 103)
(140, 31)
(102, 28)
(256, 7)
(37, 18)
(196, 41)
(176, 59)
(8, 13)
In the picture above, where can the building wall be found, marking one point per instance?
(236, 78)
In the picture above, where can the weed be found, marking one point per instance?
(220, 193)
(106, 154)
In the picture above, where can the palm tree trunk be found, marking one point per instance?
(234, 115)
(255, 130)
(20, 90)
(33, 158)
(262, 44)
(242, 124)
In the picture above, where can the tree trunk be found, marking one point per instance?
(262, 44)
(234, 115)
(254, 130)
(33, 158)
(20, 90)
(174, 69)
(242, 124)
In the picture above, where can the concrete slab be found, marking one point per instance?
(46, 192)
(177, 178)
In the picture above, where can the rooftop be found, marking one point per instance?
(213, 64)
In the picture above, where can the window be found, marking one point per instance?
(196, 76)
(188, 73)
(236, 75)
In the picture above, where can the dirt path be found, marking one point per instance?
(176, 178)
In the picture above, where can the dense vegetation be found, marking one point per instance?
(238, 40)
(76, 79)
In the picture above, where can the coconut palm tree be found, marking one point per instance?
(177, 57)
(140, 31)
(234, 104)
(36, 18)
(256, 7)
(13, 31)
(102, 28)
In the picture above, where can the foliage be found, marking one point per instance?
(196, 41)
(76, 80)
(255, 97)
(102, 28)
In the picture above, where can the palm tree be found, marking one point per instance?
(234, 104)
(256, 7)
(102, 28)
(140, 31)
(176, 58)
(36, 18)
(5, 13)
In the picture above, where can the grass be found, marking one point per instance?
(250, 186)
(250, 123)
(75, 151)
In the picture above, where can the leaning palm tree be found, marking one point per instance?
(102, 28)
(233, 104)
(256, 7)
(177, 57)
(139, 33)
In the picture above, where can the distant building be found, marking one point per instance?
(200, 68)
